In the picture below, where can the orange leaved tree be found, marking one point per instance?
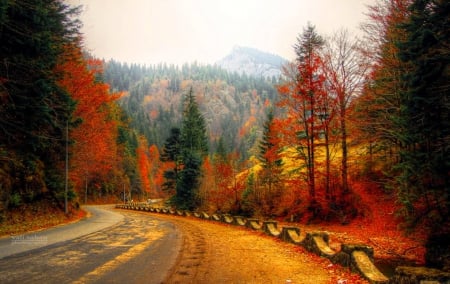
(93, 149)
(302, 100)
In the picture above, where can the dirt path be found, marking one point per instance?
(220, 253)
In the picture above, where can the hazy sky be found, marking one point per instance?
(179, 31)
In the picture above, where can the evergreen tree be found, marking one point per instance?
(267, 156)
(221, 151)
(188, 184)
(424, 180)
(308, 44)
(378, 109)
(171, 152)
(194, 148)
(270, 177)
(34, 111)
(193, 131)
(304, 100)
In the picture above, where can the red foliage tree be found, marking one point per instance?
(94, 139)
(143, 165)
(303, 99)
(222, 186)
(156, 171)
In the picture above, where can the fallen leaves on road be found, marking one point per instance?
(221, 253)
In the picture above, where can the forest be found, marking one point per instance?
(353, 127)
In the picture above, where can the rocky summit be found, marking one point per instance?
(252, 62)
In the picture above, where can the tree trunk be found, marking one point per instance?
(327, 161)
(344, 173)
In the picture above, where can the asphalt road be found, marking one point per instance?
(108, 247)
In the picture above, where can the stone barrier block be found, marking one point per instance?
(350, 248)
(342, 259)
(239, 220)
(227, 219)
(271, 228)
(215, 217)
(292, 235)
(358, 257)
(317, 242)
(406, 275)
(253, 224)
(364, 265)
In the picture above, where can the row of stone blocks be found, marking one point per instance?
(359, 257)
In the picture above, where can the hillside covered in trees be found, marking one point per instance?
(353, 128)
(233, 104)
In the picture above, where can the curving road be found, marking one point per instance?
(121, 246)
(108, 247)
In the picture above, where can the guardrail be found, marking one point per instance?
(358, 257)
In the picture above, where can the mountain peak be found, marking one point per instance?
(252, 62)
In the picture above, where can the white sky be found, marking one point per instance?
(184, 31)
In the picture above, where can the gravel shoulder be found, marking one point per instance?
(220, 253)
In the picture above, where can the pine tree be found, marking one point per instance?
(302, 98)
(34, 110)
(193, 131)
(378, 109)
(308, 44)
(194, 147)
(269, 152)
(188, 184)
(424, 180)
(270, 177)
(221, 151)
(171, 152)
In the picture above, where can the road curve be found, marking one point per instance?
(125, 247)
(153, 248)
(100, 218)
